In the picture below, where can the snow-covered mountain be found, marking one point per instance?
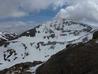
(43, 41)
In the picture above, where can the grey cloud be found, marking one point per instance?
(17, 8)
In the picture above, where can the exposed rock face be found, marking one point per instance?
(4, 37)
(95, 36)
(31, 32)
(78, 59)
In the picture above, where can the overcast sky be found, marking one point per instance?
(42, 10)
(17, 8)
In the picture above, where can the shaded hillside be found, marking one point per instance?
(76, 59)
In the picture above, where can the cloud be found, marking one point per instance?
(84, 11)
(10, 8)
(17, 8)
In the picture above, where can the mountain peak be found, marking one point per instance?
(43, 41)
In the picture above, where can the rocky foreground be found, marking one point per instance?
(22, 68)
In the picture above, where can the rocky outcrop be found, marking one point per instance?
(31, 32)
(76, 59)
(22, 68)
(4, 37)
(95, 36)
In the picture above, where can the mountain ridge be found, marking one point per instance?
(43, 41)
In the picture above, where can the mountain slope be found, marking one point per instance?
(77, 59)
(43, 41)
